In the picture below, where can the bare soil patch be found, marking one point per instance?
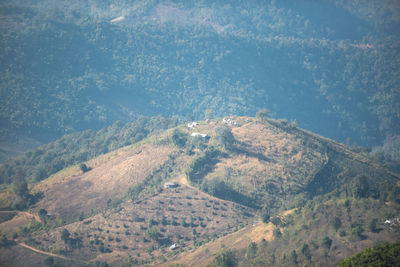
(20, 219)
(182, 215)
(87, 192)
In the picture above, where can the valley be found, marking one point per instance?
(199, 133)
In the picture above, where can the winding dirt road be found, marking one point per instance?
(49, 253)
(43, 252)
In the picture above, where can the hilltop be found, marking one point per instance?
(261, 191)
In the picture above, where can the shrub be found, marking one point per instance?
(262, 114)
(84, 168)
(276, 221)
(153, 233)
(277, 233)
(337, 223)
(327, 242)
(372, 225)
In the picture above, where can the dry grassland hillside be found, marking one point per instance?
(110, 178)
(123, 211)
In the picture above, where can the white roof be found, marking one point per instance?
(198, 134)
(192, 124)
(229, 121)
(120, 18)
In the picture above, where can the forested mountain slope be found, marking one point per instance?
(331, 65)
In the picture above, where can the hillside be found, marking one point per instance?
(330, 65)
(253, 186)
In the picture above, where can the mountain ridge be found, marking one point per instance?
(252, 174)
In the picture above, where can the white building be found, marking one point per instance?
(199, 134)
(229, 121)
(192, 124)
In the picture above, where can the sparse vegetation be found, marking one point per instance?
(338, 202)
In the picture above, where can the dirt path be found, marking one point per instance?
(43, 252)
(30, 215)
(183, 180)
(49, 253)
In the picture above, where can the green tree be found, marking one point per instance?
(65, 235)
(21, 187)
(305, 250)
(43, 215)
(337, 223)
(4, 241)
(23, 197)
(251, 251)
(179, 138)
(262, 114)
(277, 233)
(293, 256)
(276, 221)
(327, 242)
(152, 222)
(266, 217)
(84, 168)
(224, 137)
(101, 247)
(356, 231)
(360, 187)
(49, 261)
(381, 255)
(153, 233)
(225, 258)
(372, 225)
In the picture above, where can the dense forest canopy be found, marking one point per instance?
(330, 65)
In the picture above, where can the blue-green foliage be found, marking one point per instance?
(332, 66)
(381, 255)
(202, 164)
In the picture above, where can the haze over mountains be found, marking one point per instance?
(330, 65)
(206, 133)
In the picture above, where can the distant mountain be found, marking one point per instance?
(249, 190)
(330, 65)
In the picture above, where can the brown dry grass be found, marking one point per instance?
(11, 226)
(70, 193)
(237, 240)
(211, 218)
(268, 155)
